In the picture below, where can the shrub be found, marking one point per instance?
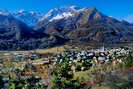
(63, 78)
(128, 62)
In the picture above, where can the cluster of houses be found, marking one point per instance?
(18, 57)
(91, 57)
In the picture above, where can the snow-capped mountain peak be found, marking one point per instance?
(59, 13)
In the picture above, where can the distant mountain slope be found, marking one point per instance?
(16, 35)
(28, 17)
(11, 28)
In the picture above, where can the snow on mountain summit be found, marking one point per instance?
(21, 11)
(61, 16)
(59, 13)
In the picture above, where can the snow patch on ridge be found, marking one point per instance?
(61, 16)
(4, 12)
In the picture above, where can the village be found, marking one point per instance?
(41, 65)
(92, 57)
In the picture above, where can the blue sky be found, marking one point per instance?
(122, 9)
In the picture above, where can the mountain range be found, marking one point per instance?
(31, 29)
